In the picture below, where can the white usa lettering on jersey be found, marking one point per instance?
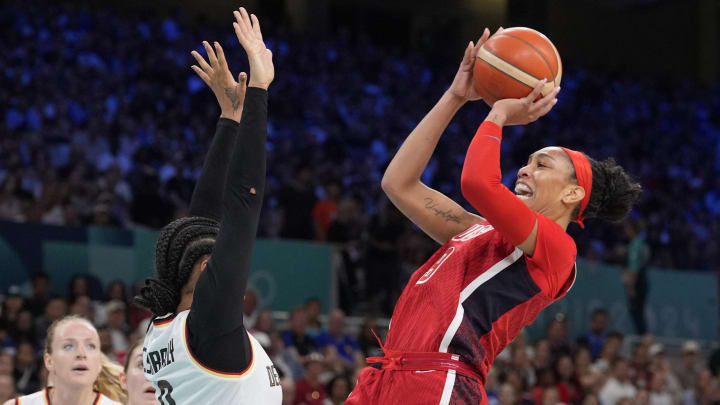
(472, 232)
(180, 379)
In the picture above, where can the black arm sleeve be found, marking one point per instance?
(207, 197)
(215, 328)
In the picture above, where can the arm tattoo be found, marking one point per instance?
(234, 99)
(447, 214)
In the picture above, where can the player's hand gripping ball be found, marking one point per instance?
(513, 61)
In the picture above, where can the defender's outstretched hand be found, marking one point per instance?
(216, 74)
(247, 29)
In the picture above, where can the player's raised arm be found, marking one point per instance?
(207, 196)
(436, 214)
(481, 176)
(216, 313)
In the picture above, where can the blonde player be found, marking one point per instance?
(197, 350)
(80, 373)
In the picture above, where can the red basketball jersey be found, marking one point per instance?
(474, 295)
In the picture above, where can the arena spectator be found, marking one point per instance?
(26, 369)
(55, 309)
(690, 367)
(297, 200)
(40, 283)
(296, 337)
(635, 277)
(313, 309)
(324, 210)
(659, 392)
(337, 390)
(618, 385)
(557, 335)
(310, 390)
(11, 307)
(703, 392)
(660, 365)
(610, 352)
(596, 335)
(542, 360)
(263, 328)
(117, 326)
(82, 307)
(335, 337)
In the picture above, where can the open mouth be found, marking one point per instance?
(150, 390)
(522, 190)
(80, 369)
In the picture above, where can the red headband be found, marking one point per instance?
(583, 172)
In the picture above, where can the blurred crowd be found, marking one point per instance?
(104, 123)
(319, 354)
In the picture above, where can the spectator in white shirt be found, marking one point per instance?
(618, 386)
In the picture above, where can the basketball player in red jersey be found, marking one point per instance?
(493, 274)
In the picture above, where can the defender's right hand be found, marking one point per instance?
(247, 29)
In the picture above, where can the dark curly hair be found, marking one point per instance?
(613, 193)
(180, 245)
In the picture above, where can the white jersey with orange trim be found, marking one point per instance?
(180, 379)
(43, 398)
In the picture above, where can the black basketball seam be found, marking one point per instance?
(536, 50)
(498, 56)
(505, 73)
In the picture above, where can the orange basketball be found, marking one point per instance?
(511, 63)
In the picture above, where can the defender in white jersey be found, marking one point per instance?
(80, 373)
(167, 358)
(197, 350)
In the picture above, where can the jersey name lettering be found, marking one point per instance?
(157, 359)
(273, 376)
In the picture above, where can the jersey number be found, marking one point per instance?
(165, 391)
(434, 268)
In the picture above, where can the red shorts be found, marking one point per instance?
(432, 383)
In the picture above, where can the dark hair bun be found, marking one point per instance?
(614, 192)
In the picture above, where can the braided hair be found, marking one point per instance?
(180, 245)
(613, 194)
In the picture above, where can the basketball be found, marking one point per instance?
(510, 64)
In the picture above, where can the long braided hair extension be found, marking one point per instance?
(180, 245)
